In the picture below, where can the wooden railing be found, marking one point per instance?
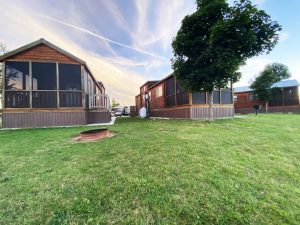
(99, 101)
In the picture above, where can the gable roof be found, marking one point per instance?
(50, 45)
(159, 82)
(149, 83)
(36, 43)
(280, 84)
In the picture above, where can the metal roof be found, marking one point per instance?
(242, 89)
(286, 83)
(280, 84)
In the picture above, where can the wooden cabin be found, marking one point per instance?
(166, 98)
(285, 98)
(45, 86)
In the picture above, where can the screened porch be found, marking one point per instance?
(40, 85)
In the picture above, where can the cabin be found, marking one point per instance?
(167, 99)
(44, 86)
(285, 98)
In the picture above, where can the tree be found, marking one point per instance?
(114, 103)
(216, 40)
(2, 51)
(262, 86)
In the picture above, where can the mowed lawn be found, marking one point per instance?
(233, 171)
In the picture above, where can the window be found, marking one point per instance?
(199, 98)
(216, 97)
(44, 76)
(235, 98)
(17, 85)
(251, 97)
(158, 91)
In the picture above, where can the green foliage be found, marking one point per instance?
(114, 103)
(232, 171)
(217, 39)
(272, 73)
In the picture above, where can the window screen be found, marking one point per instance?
(69, 77)
(170, 86)
(43, 76)
(226, 97)
(216, 97)
(17, 76)
(199, 98)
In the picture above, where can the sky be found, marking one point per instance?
(127, 42)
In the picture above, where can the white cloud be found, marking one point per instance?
(251, 70)
(283, 36)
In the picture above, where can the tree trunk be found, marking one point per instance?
(210, 106)
(267, 106)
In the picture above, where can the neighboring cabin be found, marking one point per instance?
(44, 85)
(285, 98)
(168, 99)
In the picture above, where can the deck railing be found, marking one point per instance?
(99, 101)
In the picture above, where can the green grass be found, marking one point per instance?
(235, 171)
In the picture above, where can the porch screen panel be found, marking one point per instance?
(17, 84)
(182, 96)
(226, 96)
(276, 97)
(44, 85)
(43, 76)
(199, 98)
(170, 91)
(291, 96)
(44, 99)
(70, 94)
(216, 97)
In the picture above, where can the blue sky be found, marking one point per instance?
(127, 42)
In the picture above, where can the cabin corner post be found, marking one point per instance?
(83, 87)
(57, 85)
(30, 84)
(3, 85)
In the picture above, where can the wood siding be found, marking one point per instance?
(272, 109)
(219, 112)
(53, 118)
(242, 101)
(174, 113)
(42, 53)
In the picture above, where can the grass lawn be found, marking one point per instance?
(235, 171)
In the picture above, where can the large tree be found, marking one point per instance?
(262, 86)
(216, 40)
(114, 103)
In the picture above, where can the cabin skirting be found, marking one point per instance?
(51, 119)
(272, 109)
(218, 112)
(193, 112)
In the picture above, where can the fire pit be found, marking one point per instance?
(93, 135)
